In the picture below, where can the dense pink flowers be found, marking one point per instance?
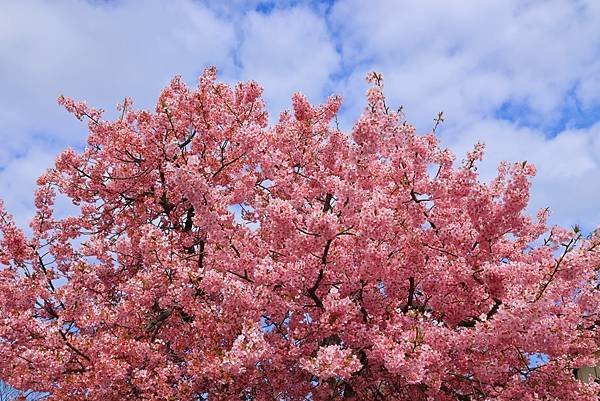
(215, 256)
(332, 361)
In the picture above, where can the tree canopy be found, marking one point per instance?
(213, 256)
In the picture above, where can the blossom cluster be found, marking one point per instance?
(213, 256)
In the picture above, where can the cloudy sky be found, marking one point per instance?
(523, 76)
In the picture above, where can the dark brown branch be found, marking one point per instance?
(225, 165)
(327, 206)
(168, 114)
(440, 250)
(411, 295)
(363, 310)
(237, 253)
(568, 247)
(495, 308)
(189, 219)
(244, 277)
(312, 291)
(307, 232)
(439, 119)
(201, 245)
(188, 139)
(72, 347)
(472, 320)
(43, 267)
(326, 251)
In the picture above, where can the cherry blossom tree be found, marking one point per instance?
(214, 257)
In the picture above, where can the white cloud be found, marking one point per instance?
(484, 52)
(287, 51)
(104, 53)
(588, 89)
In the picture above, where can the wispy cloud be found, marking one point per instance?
(288, 50)
(521, 76)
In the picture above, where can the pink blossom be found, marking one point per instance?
(215, 255)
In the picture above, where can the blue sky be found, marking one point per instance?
(522, 76)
